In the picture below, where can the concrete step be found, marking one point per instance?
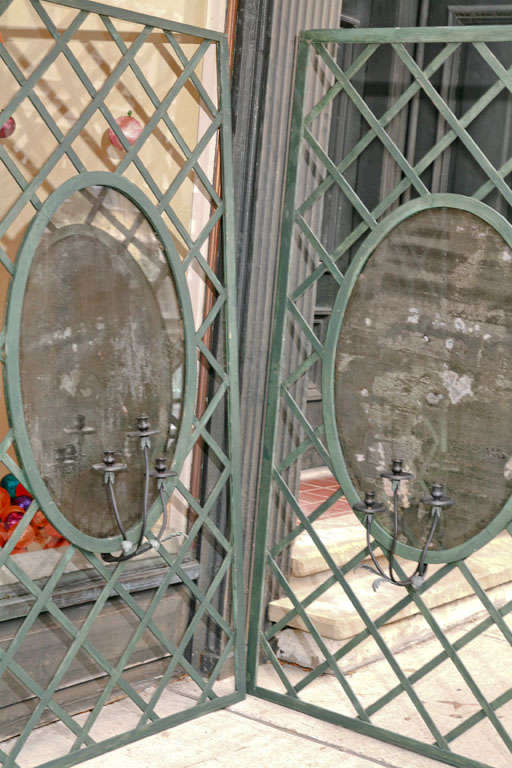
(298, 647)
(334, 615)
(343, 537)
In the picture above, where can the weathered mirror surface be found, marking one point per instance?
(424, 371)
(101, 343)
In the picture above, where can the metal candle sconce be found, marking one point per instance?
(69, 456)
(110, 467)
(437, 501)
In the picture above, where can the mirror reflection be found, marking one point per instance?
(101, 344)
(424, 372)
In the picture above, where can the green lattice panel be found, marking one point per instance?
(395, 704)
(185, 49)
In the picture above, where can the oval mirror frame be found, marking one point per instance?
(339, 467)
(12, 380)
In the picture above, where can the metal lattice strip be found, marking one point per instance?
(314, 174)
(189, 53)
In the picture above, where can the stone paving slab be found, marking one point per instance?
(333, 613)
(349, 745)
(251, 734)
(239, 737)
(443, 692)
(298, 647)
(342, 536)
(255, 733)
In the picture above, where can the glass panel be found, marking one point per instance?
(101, 343)
(424, 371)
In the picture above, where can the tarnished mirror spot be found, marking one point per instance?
(101, 342)
(424, 371)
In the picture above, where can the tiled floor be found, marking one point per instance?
(315, 490)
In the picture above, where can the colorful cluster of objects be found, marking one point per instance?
(14, 502)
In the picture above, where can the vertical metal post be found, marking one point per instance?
(274, 375)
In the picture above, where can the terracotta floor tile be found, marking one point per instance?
(322, 492)
(314, 492)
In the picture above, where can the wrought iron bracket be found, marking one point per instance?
(437, 501)
(110, 468)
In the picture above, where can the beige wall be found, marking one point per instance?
(65, 97)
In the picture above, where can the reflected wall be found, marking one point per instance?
(424, 371)
(104, 347)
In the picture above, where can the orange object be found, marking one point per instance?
(52, 542)
(39, 530)
(41, 538)
(27, 538)
(5, 499)
(39, 520)
(51, 531)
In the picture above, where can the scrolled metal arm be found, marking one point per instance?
(110, 467)
(437, 501)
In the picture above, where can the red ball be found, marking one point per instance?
(22, 491)
(130, 128)
(7, 128)
(12, 518)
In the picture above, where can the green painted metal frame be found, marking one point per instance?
(374, 224)
(446, 200)
(229, 574)
(12, 362)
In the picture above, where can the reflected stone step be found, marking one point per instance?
(335, 617)
(343, 536)
(298, 647)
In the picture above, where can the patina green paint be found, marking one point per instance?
(14, 324)
(470, 535)
(371, 227)
(176, 566)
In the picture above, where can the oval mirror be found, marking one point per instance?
(423, 371)
(101, 342)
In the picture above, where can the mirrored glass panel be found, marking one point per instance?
(101, 343)
(424, 371)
